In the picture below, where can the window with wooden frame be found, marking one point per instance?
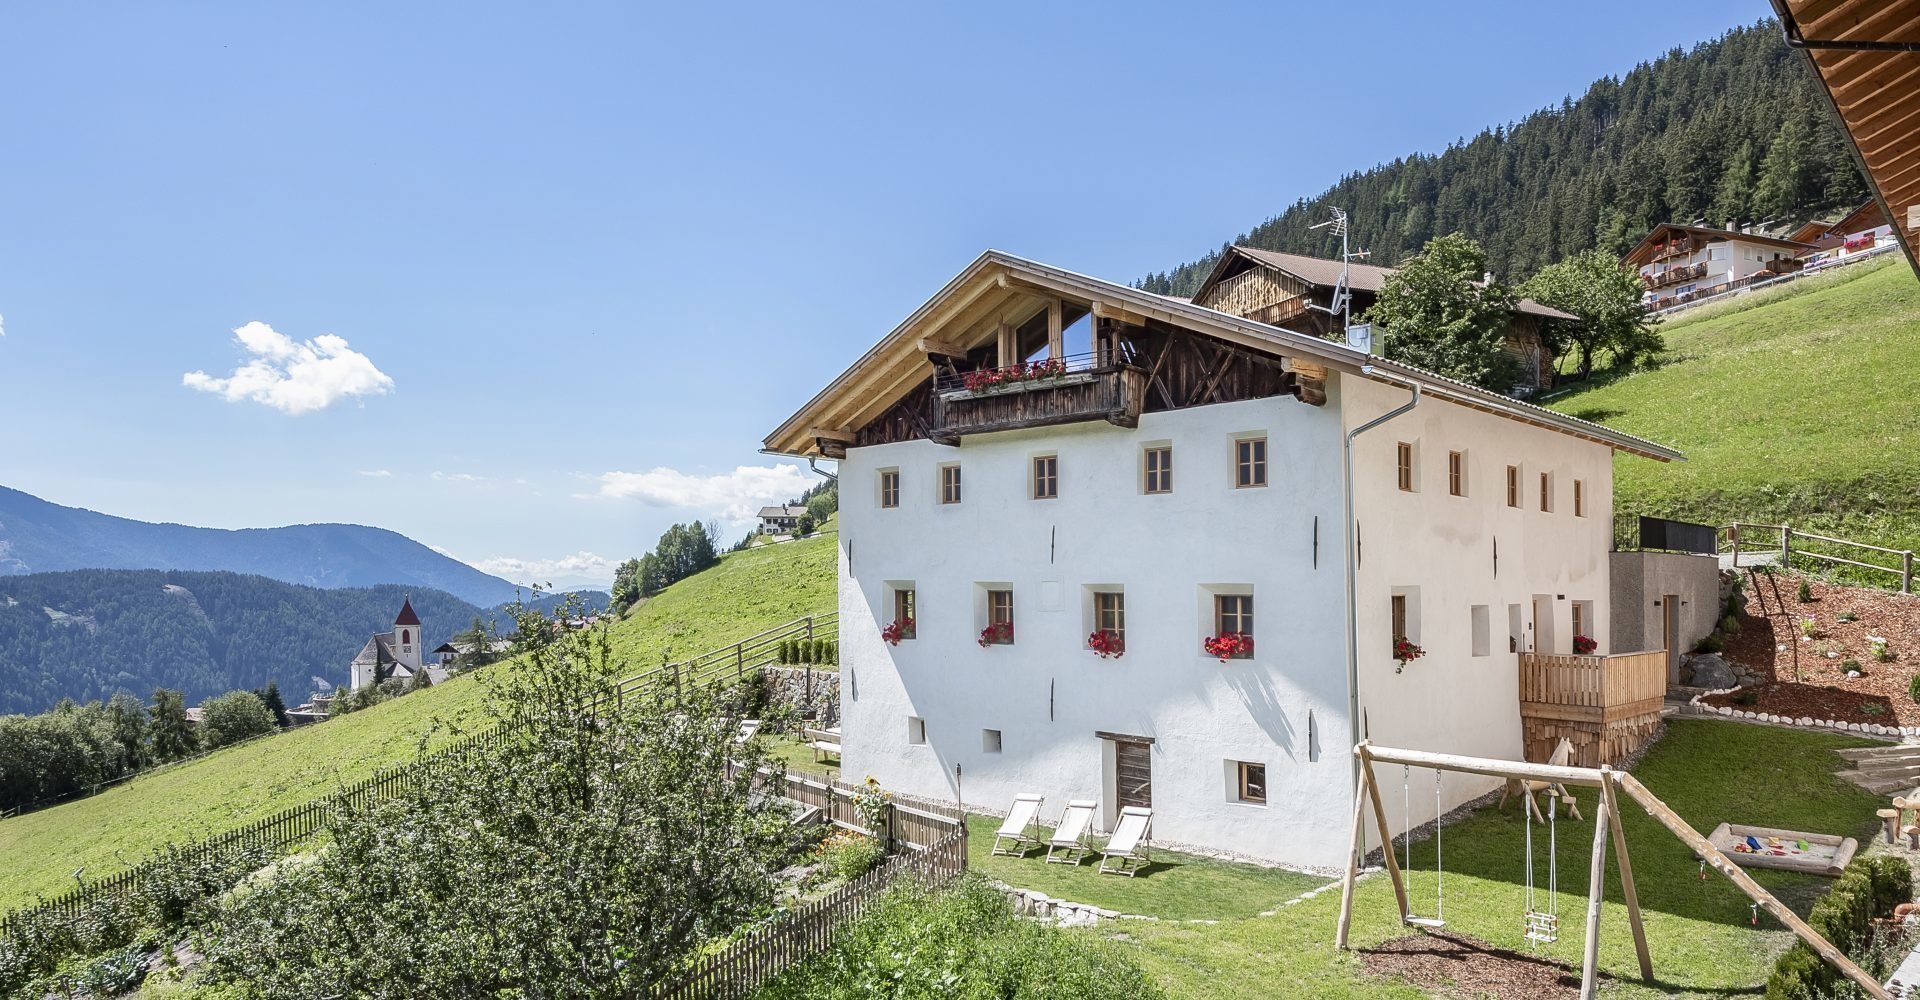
(1110, 612)
(1513, 486)
(1546, 493)
(949, 484)
(1457, 473)
(1046, 477)
(1403, 466)
(1252, 782)
(904, 612)
(1250, 462)
(1157, 463)
(1233, 615)
(1579, 498)
(889, 488)
(1399, 617)
(999, 631)
(1579, 618)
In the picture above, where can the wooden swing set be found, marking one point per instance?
(1543, 925)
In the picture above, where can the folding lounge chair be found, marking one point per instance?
(1070, 836)
(1017, 830)
(1127, 850)
(748, 729)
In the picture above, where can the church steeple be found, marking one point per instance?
(406, 635)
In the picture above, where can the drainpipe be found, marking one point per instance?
(1353, 626)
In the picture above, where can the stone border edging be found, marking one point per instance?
(1802, 722)
(1038, 905)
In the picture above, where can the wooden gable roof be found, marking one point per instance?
(1867, 56)
(1667, 231)
(1319, 272)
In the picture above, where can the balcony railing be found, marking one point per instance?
(1676, 275)
(1600, 689)
(1037, 394)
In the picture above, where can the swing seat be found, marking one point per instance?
(1426, 923)
(1543, 928)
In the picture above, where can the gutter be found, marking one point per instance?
(1353, 625)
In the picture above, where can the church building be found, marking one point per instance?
(394, 655)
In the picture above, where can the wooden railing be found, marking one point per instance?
(1115, 393)
(1765, 539)
(1592, 688)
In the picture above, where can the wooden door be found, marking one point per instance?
(1133, 774)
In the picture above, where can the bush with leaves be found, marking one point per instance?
(849, 855)
(918, 943)
(1437, 312)
(1869, 888)
(232, 717)
(588, 856)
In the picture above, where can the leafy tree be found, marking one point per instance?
(128, 720)
(588, 857)
(271, 698)
(803, 525)
(1606, 297)
(172, 737)
(626, 585)
(1438, 312)
(232, 717)
(824, 502)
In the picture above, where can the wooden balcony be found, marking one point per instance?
(1082, 389)
(1607, 706)
(1677, 275)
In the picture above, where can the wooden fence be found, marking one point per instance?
(1764, 539)
(295, 825)
(1606, 706)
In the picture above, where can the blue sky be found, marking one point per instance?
(531, 282)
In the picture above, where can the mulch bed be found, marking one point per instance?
(1770, 641)
(1468, 967)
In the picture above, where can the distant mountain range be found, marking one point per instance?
(39, 537)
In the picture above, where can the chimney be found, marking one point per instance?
(1733, 226)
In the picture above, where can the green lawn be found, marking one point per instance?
(747, 592)
(1700, 939)
(1794, 405)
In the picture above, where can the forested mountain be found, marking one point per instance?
(85, 634)
(1735, 129)
(37, 537)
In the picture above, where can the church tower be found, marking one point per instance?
(406, 636)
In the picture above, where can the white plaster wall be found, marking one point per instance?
(1046, 693)
(1451, 700)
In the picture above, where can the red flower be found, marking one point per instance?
(1406, 652)
(1584, 644)
(897, 630)
(1229, 646)
(997, 634)
(1107, 643)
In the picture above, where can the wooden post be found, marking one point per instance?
(1356, 856)
(1056, 339)
(1632, 893)
(1906, 572)
(1786, 547)
(1718, 862)
(1596, 895)
(1372, 781)
(1733, 532)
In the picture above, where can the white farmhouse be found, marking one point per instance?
(1038, 464)
(1682, 263)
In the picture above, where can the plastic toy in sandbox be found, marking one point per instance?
(1786, 850)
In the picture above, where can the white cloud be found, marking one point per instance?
(735, 496)
(3, 326)
(293, 376)
(580, 565)
(458, 477)
(376, 473)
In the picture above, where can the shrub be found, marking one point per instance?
(1806, 592)
(1711, 643)
(235, 716)
(849, 855)
(1850, 664)
(1872, 708)
(1848, 616)
(1881, 652)
(1913, 688)
(1869, 888)
(1747, 696)
(1810, 628)
(1730, 625)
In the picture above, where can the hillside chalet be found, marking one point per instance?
(1683, 263)
(1863, 229)
(1277, 288)
(1145, 576)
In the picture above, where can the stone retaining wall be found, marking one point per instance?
(818, 690)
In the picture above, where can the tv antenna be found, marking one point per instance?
(1341, 304)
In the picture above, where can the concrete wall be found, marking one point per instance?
(1642, 578)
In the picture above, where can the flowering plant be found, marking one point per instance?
(988, 378)
(870, 803)
(1107, 643)
(1860, 242)
(1229, 646)
(997, 634)
(1584, 644)
(900, 628)
(1406, 652)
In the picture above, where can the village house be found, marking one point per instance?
(396, 655)
(1863, 229)
(1191, 567)
(1683, 263)
(1296, 291)
(780, 520)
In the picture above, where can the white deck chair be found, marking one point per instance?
(748, 729)
(1070, 836)
(1018, 827)
(1127, 850)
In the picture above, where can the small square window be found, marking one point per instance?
(889, 488)
(989, 741)
(1457, 473)
(916, 731)
(1046, 477)
(1250, 462)
(1579, 498)
(1158, 466)
(1513, 486)
(1252, 782)
(949, 484)
(1403, 466)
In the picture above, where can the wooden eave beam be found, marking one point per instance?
(840, 434)
(941, 348)
(1119, 314)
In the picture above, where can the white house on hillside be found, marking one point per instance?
(1681, 263)
(1006, 507)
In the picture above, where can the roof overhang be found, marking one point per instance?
(1867, 56)
(1000, 287)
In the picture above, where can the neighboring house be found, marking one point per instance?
(1277, 289)
(1863, 229)
(394, 655)
(1181, 485)
(780, 520)
(1682, 263)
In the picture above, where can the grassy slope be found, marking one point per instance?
(1700, 939)
(1795, 406)
(747, 592)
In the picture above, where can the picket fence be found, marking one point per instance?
(298, 823)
